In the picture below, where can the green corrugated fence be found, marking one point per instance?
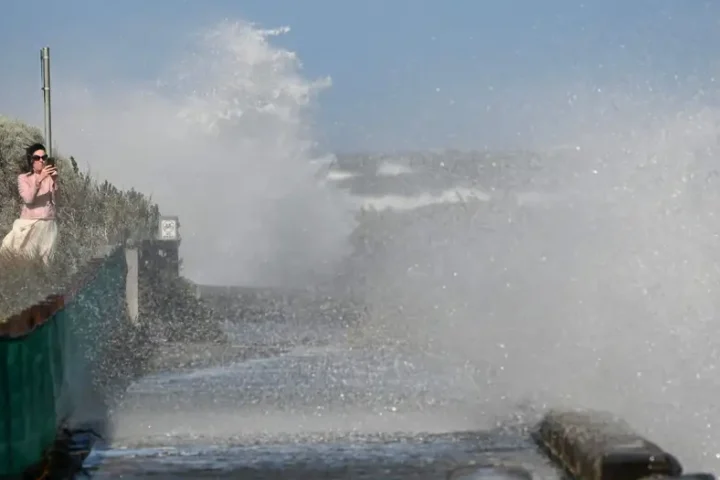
(47, 375)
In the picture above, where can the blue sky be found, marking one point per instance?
(396, 65)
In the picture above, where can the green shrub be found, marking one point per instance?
(24, 282)
(90, 216)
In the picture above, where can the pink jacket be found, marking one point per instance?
(38, 203)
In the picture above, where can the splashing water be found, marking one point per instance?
(607, 301)
(226, 145)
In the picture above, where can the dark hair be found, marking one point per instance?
(29, 154)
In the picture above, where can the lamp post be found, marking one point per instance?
(45, 72)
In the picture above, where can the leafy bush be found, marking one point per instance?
(24, 282)
(174, 311)
(91, 215)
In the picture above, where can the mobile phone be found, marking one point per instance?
(50, 162)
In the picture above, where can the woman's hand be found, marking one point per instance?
(47, 171)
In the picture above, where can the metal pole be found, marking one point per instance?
(45, 69)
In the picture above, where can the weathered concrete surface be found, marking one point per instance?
(331, 412)
(431, 457)
(169, 357)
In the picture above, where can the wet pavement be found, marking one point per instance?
(431, 457)
(333, 411)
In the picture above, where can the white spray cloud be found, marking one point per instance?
(609, 299)
(226, 143)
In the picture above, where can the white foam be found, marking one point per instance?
(339, 175)
(389, 169)
(412, 202)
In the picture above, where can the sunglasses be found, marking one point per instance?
(39, 157)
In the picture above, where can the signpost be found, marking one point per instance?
(162, 252)
(168, 229)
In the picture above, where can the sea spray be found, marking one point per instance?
(224, 141)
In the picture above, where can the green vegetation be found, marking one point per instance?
(91, 215)
(24, 282)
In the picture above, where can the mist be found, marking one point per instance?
(224, 140)
(607, 299)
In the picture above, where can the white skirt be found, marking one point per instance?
(31, 238)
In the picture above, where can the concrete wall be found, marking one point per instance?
(132, 285)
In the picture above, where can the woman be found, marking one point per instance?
(34, 234)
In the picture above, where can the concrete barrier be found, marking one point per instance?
(132, 293)
(593, 445)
